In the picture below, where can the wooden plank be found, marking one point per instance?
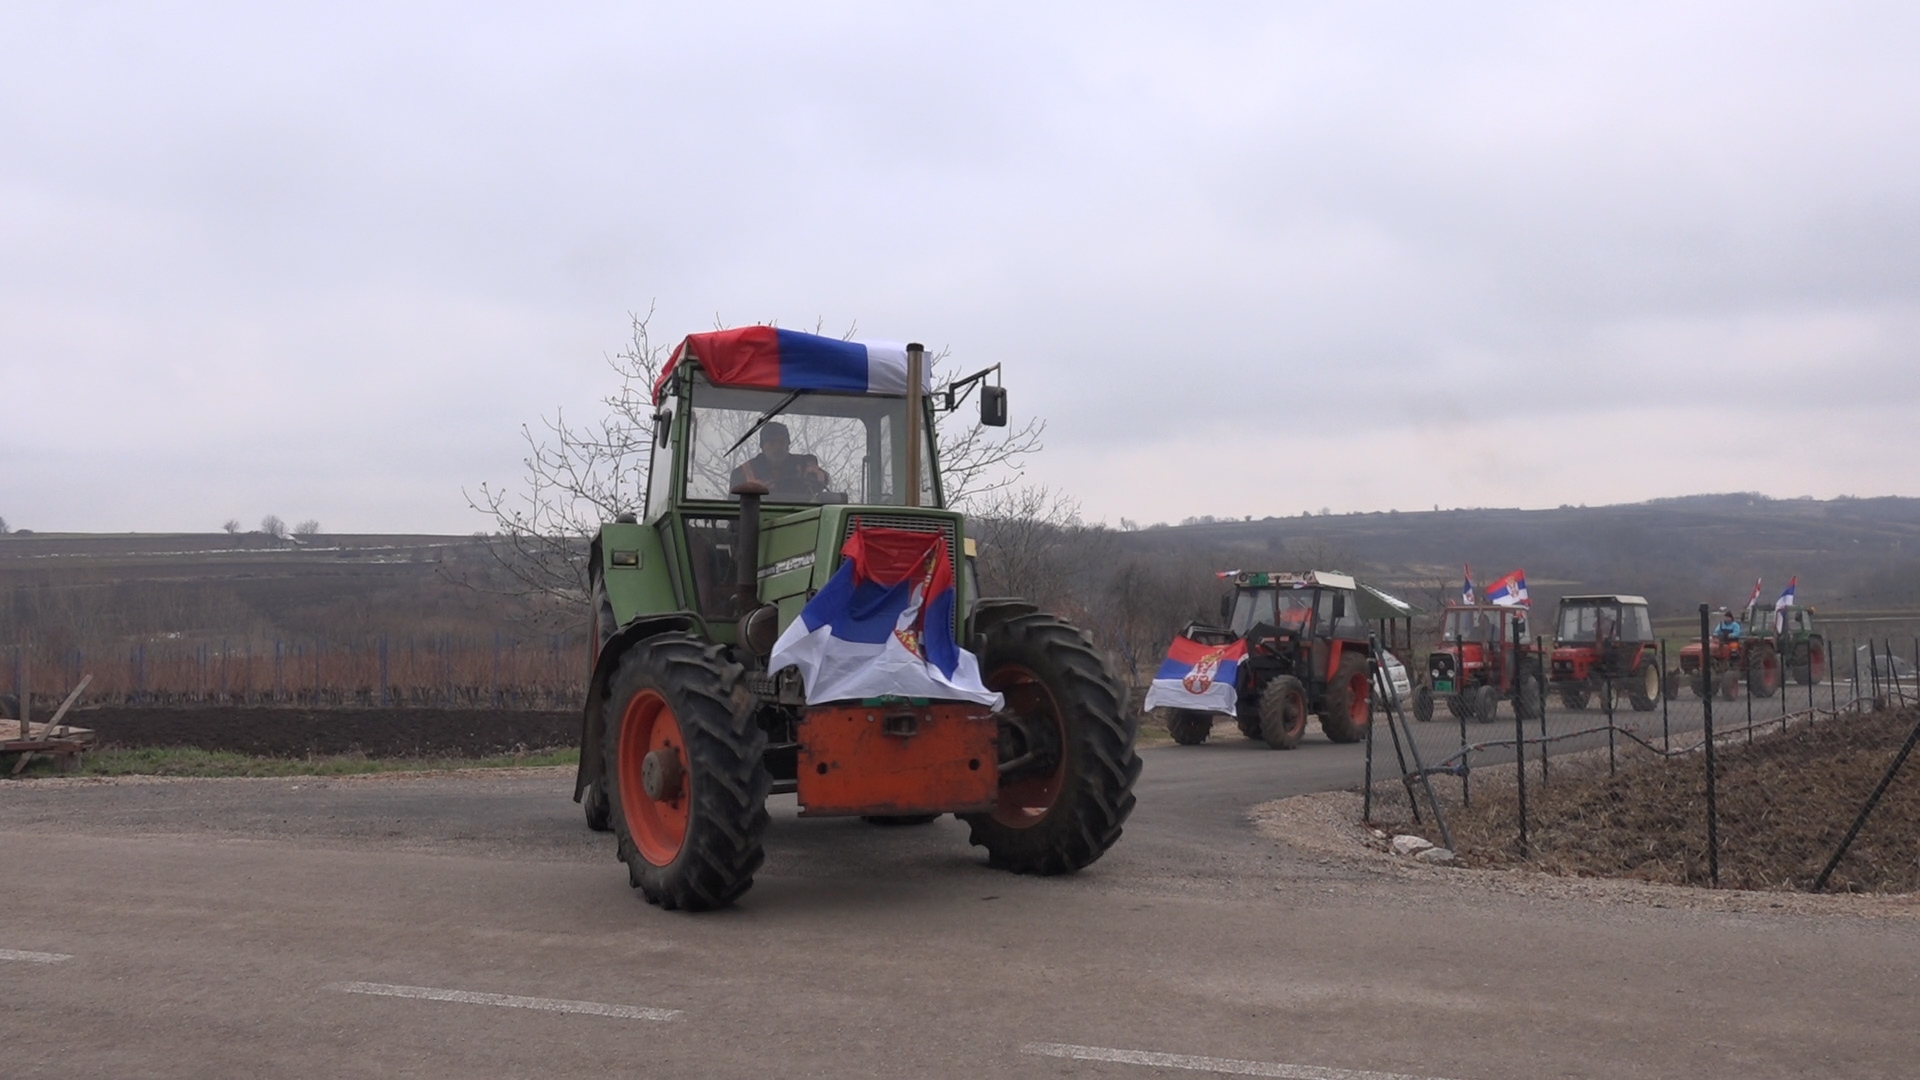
(61, 712)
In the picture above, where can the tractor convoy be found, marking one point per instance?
(796, 611)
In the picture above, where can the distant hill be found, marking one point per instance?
(1854, 557)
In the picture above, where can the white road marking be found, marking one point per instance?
(510, 1001)
(1229, 1066)
(34, 957)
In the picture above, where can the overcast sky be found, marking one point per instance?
(1244, 259)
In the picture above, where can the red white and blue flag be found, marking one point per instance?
(1466, 585)
(1781, 605)
(1510, 591)
(883, 626)
(769, 358)
(1754, 598)
(1196, 676)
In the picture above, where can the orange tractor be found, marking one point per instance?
(1752, 659)
(1605, 640)
(1484, 658)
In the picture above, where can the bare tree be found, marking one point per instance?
(232, 526)
(3, 527)
(273, 527)
(307, 528)
(574, 478)
(1032, 542)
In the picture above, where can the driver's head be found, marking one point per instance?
(774, 441)
(1726, 613)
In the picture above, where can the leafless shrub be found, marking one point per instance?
(307, 528)
(274, 527)
(232, 526)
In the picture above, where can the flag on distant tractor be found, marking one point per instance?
(1781, 605)
(1510, 591)
(883, 626)
(1197, 676)
(1754, 599)
(1466, 585)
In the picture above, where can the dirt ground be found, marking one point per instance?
(1784, 804)
(300, 732)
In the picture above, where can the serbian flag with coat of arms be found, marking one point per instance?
(1510, 591)
(1196, 676)
(883, 626)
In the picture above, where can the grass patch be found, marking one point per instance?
(187, 761)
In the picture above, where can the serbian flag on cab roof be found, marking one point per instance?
(1781, 605)
(1510, 591)
(769, 358)
(883, 626)
(1466, 585)
(1196, 676)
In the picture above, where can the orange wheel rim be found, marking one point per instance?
(1359, 703)
(658, 827)
(1023, 802)
(1296, 712)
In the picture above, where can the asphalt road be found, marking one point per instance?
(469, 925)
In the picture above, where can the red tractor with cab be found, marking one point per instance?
(1605, 640)
(1484, 658)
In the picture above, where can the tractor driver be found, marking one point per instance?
(1729, 628)
(789, 477)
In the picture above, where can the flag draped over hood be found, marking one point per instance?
(883, 626)
(1196, 676)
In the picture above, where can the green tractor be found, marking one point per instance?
(772, 449)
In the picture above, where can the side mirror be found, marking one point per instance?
(663, 427)
(993, 406)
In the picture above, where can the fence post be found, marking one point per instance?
(386, 696)
(1746, 675)
(1606, 687)
(1520, 769)
(279, 671)
(1666, 729)
(1540, 673)
(1706, 717)
(1466, 792)
(1366, 789)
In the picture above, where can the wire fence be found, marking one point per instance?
(370, 671)
(1720, 700)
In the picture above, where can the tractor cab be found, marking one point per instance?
(1480, 645)
(1604, 640)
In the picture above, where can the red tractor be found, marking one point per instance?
(1752, 658)
(1306, 653)
(1605, 640)
(1484, 658)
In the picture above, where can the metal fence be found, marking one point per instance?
(1690, 717)
(375, 670)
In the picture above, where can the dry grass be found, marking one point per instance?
(1784, 803)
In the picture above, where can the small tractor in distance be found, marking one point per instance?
(1605, 640)
(1763, 655)
(1484, 658)
(1307, 650)
(688, 730)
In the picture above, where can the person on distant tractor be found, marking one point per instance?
(789, 477)
(1729, 628)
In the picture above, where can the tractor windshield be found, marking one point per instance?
(1288, 609)
(1602, 621)
(1466, 624)
(807, 447)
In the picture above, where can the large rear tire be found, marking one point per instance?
(1763, 673)
(1810, 662)
(1283, 712)
(1644, 687)
(1060, 820)
(1189, 727)
(686, 786)
(1349, 706)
